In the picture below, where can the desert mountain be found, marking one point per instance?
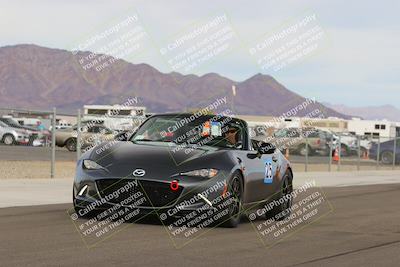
(41, 78)
(387, 112)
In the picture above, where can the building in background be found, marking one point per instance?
(115, 117)
(330, 124)
(375, 129)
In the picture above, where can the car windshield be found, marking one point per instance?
(214, 131)
(10, 122)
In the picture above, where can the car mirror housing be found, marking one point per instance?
(254, 155)
(266, 148)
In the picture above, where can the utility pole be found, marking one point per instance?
(233, 97)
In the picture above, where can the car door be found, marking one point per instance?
(260, 170)
(270, 181)
(253, 171)
(315, 141)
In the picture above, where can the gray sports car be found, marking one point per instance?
(181, 162)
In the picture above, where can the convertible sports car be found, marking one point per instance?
(176, 157)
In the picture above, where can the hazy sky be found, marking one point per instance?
(359, 67)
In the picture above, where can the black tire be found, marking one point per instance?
(282, 211)
(387, 157)
(235, 187)
(70, 144)
(8, 139)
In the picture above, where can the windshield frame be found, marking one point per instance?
(242, 124)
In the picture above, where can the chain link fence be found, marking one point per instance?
(46, 144)
(27, 143)
(318, 150)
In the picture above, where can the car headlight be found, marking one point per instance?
(206, 173)
(91, 165)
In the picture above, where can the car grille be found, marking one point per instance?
(157, 194)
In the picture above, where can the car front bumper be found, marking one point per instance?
(22, 139)
(192, 193)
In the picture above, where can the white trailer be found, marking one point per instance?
(375, 129)
(115, 117)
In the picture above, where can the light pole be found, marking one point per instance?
(233, 96)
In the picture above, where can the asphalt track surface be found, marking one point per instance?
(362, 230)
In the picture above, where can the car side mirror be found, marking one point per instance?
(266, 148)
(123, 136)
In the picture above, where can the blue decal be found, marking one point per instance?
(268, 177)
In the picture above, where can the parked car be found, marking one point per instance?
(386, 150)
(349, 143)
(296, 139)
(10, 135)
(90, 136)
(63, 125)
(31, 132)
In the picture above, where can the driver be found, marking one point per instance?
(231, 135)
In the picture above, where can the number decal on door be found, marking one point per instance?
(268, 172)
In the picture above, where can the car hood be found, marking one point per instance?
(157, 159)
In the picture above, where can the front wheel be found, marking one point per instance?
(71, 144)
(8, 139)
(235, 189)
(282, 211)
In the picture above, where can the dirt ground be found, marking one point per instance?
(35, 169)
